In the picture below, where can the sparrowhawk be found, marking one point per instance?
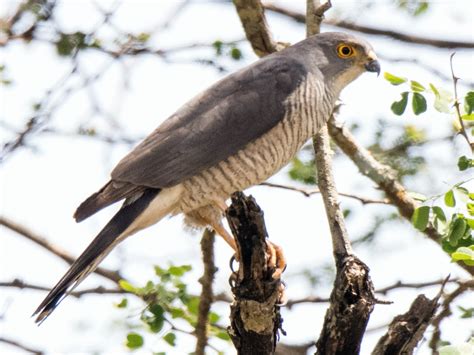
(234, 135)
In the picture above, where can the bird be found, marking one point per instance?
(236, 134)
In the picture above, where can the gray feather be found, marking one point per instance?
(215, 125)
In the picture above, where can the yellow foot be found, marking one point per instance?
(276, 259)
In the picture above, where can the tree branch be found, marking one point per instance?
(256, 28)
(352, 298)
(310, 192)
(457, 106)
(406, 330)
(255, 313)
(20, 346)
(301, 18)
(205, 300)
(44, 243)
(16, 283)
(382, 175)
(446, 311)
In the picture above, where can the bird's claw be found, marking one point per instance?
(276, 259)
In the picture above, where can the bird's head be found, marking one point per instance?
(342, 57)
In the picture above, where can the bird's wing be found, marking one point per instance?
(215, 125)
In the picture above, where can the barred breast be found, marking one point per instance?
(307, 109)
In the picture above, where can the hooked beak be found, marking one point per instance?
(373, 66)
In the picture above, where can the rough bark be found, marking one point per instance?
(255, 313)
(352, 300)
(407, 329)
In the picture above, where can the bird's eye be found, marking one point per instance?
(345, 51)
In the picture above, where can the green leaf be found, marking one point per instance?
(123, 303)
(134, 341)
(467, 312)
(193, 305)
(470, 222)
(393, 79)
(418, 103)
(440, 222)
(443, 99)
(214, 317)
(434, 89)
(449, 199)
(126, 286)
(223, 335)
(179, 270)
(170, 338)
(470, 208)
(469, 117)
(463, 253)
(465, 163)
(398, 107)
(457, 230)
(469, 102)
(420, 217)
(416, 86)
(236, 53)
(303, 171)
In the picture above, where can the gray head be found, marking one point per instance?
(340, 57)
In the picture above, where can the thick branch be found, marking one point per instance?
(256, 28)
(205, 300)
(299, 17)
(406, 330)
(43, 242)
(255, 314)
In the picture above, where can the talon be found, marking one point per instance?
(276, 259)
(282, 299)
(231, 262)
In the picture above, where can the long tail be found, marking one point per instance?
(119, 227)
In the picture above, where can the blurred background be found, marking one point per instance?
(81, 82)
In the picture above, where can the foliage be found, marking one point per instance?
(167, 301)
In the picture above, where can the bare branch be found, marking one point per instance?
(457, 106)
(406, 330)
(205, 300)
(20, 346)
(54, 249)
(16, 283)
(310, 192)
(299, 17)
(446, 311)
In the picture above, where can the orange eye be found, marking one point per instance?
(345, 51)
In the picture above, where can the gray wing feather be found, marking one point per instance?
(214, 125)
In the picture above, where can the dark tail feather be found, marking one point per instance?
(105, 241)
(111, 192)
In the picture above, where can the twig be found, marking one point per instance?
(16, 283)
(457, 105)
(205, 300)
(44, 243)
(446, 311)
(310, 192)
(399, 284)
(299, 17)
(20, 346)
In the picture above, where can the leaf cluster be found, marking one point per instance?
(167, 300)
